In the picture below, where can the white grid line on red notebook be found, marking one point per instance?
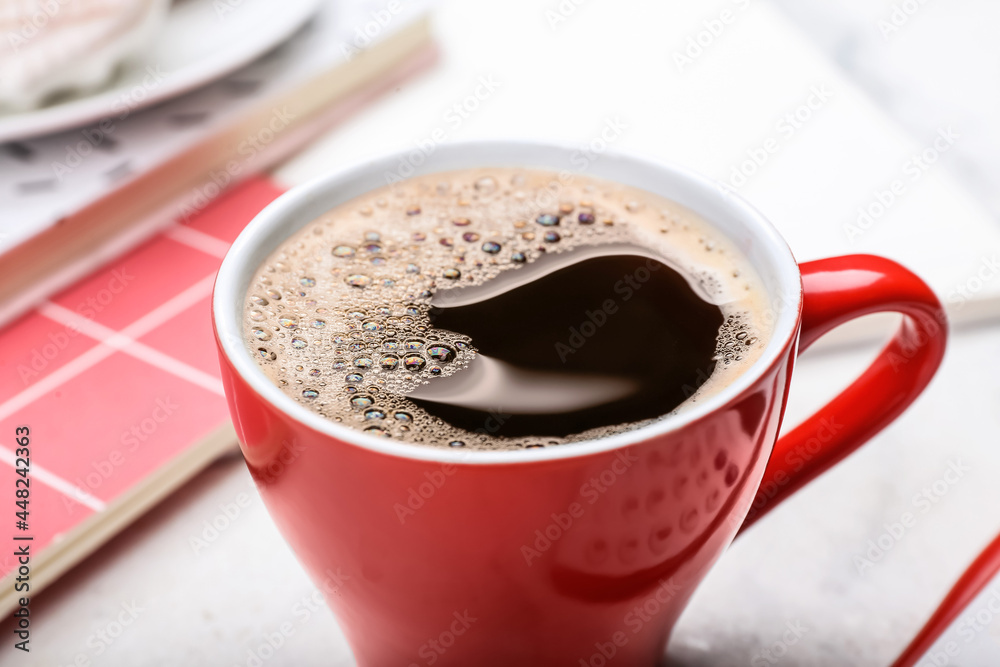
(199, 240)
(162, 313)
(141, 351)
(55, 481)
(154, 318)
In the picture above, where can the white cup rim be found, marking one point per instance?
(304, 203)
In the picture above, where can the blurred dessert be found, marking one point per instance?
(56, 46)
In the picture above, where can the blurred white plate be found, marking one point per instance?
(201, 40)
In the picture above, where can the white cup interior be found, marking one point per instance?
(726, 211)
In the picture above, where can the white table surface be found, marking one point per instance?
(213, 606)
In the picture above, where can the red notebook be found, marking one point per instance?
(117, 379)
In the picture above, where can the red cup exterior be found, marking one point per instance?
(584, 560)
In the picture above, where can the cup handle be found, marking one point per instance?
(836, 290)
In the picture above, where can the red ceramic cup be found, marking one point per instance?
(583, 554)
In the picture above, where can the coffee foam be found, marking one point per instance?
(337, 316)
